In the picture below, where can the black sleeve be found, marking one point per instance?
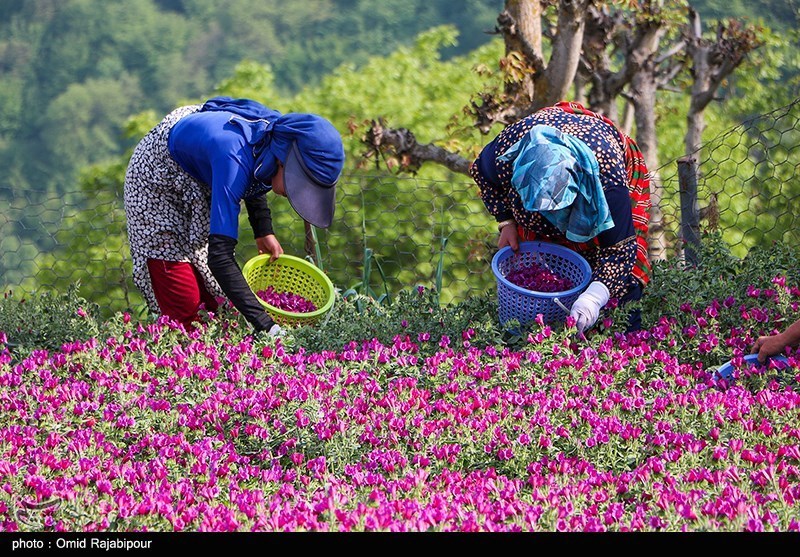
(259, 215)
(223, 266)
(616, 254)
(619, 205)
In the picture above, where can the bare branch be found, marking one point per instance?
(666, 76)
(673, 51)
(400, 149)
(715, 61)
(671, 88)
(712, 62)
(695, 26)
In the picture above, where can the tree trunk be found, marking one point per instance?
(566, 54)
(523, 21)
(601, 30)
(695, 120)
(627, 119)
(643, 89)
(712, 62)
(643, 65)
(690, 216)
(528, 17)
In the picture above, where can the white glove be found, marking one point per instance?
(586, 308)
(275, 331)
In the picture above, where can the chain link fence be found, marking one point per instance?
(744, 183)
(406, 231)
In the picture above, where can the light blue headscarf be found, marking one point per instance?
(557, 175)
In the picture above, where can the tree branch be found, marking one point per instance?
(674, 50)
(665, 77)
(400, 149)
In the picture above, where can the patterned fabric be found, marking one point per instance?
(168, 211)
(638, 186)
(612, 255)
(558, 176)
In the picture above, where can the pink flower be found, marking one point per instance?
(286, 301)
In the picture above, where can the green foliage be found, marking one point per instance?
(91, 248)
(81, 66)
(45, 321)
(162, 52)
(412, 313)
(412, 87)
(779, 14)
(251, 80)
(137, 127)
(136, 59)
(85, 122)
(719, 275)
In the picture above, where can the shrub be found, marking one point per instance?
(46, 320)
(414, 313)
(718, 275)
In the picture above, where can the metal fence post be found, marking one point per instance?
(690, 215)
(310, 243)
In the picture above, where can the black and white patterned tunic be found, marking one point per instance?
(168, 211)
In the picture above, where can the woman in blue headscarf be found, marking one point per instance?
(183, 190)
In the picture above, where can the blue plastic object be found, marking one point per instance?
(524, 305)
(725, 371)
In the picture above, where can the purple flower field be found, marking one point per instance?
(149, 428)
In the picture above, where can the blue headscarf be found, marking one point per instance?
(271, 135)
(558, 176)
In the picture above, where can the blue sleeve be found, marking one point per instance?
(214, 152)
(229, 180)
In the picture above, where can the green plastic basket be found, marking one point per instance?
(294, 275)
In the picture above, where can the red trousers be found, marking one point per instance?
(180, 291)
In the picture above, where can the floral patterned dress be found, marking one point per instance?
(615, 256)
(168, 212)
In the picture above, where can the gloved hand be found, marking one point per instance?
(586, 308)
(275, 331)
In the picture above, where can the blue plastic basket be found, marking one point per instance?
(725, 371)
(515, 302)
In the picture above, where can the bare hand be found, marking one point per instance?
(768, 346)
(269, 244)
(509, 237)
